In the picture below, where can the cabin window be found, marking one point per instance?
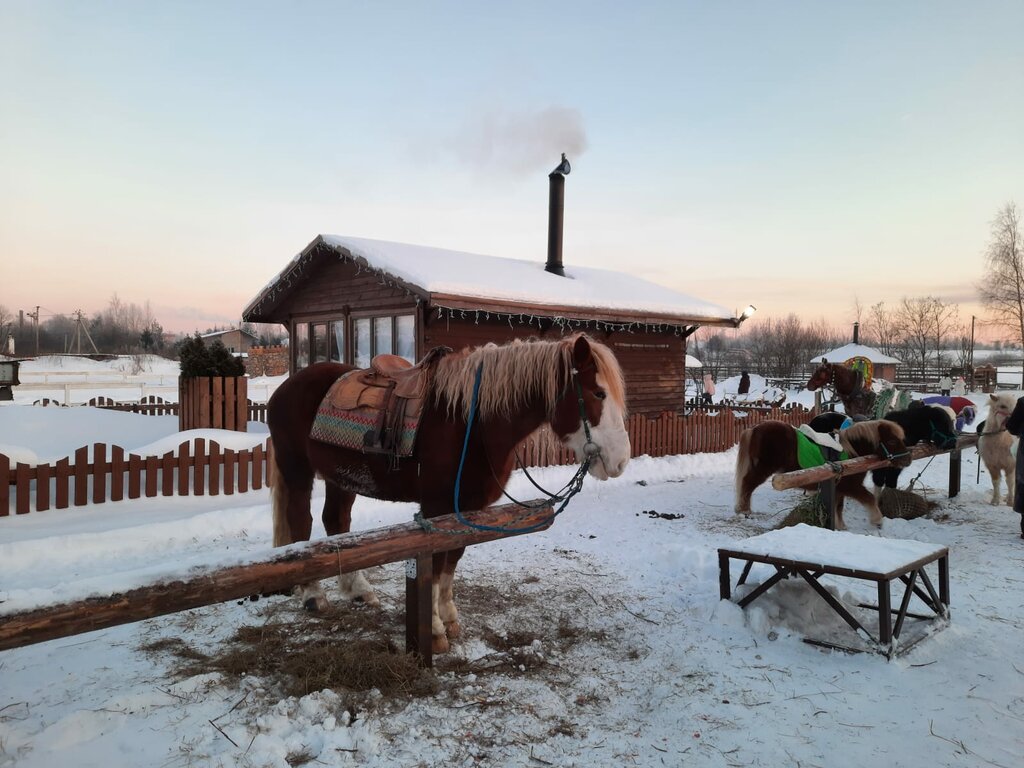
(319, 342)
(338, 341)
(405, 337)
(361, 340)
(382, 336)
(301, 345)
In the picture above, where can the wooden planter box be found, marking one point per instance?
(213, 402)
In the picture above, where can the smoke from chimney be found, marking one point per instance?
(520, 144)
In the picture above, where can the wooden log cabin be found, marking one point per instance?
(346, 299)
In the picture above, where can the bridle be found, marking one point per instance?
(591, 451)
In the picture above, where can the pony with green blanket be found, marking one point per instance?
(774, 446)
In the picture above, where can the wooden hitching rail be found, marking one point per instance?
(826, 476)
(276, 570)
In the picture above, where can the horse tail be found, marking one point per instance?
(744, 461)
(279, 503)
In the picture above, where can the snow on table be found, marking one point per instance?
(839, 549)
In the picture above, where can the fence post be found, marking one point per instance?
(827, 489)
(954, 472)
(418, 606)
(5, 488)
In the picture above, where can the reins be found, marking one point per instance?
(590, 449)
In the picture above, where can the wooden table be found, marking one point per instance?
(810, 553)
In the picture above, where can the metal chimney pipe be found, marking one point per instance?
(556, 206)
(856, 333)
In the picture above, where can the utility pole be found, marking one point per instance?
(970, 358)
(35, 319)
(79, 327)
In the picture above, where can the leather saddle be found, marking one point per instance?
(391, 394)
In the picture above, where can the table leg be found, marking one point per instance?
(884, 615)
(944, 582)
(724, 581)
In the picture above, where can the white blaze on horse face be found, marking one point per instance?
(610, 436)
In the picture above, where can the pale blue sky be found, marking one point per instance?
(792, 155)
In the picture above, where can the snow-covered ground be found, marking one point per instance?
(72, 380)
(599, 642)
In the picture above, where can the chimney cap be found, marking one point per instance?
(563, 167)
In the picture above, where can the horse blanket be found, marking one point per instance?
(810, 452)
(372, 420)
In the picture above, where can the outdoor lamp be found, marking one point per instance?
(745, 315)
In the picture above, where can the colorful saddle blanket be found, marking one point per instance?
(377, 409)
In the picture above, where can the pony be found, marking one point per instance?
(771, 447)
(848, 384)
(930, 424)
(963, 409)
(573, 384)
(995, 444)
(830, 421)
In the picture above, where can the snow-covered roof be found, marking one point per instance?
(228, 330)
(841, 354)
(440, 274)
(693, 362)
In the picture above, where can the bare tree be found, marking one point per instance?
(1002, 287)
(6, 327)
(923, 322)
(783, 348)
(858, 310)
(883, 328)
(710, 351)
(946, 318)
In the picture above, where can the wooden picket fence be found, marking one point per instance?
(701, 431)
(153, 405)
(211, 470)
(76, 481)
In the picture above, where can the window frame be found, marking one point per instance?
(348, 321)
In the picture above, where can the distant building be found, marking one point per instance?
(882, 366)
(235, 339)
(346, 299)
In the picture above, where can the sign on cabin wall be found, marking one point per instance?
(863, 365)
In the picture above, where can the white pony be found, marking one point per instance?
(995, 444)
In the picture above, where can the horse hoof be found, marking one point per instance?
(439, 644)
(369, 598)
(452, 629)
(310, 605)
(316, 604)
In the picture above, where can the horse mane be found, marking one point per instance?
(516, 372)
(862, 433)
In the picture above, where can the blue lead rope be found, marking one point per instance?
(462, 461)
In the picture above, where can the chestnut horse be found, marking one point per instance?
(771, 447)
(522, 385)
(848, 385)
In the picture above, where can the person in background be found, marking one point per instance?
(709, 389)
(1015, 426)
(959, 387)
(945, 384)
(744, 384)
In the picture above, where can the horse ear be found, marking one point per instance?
(581, 353)
(992, 397)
